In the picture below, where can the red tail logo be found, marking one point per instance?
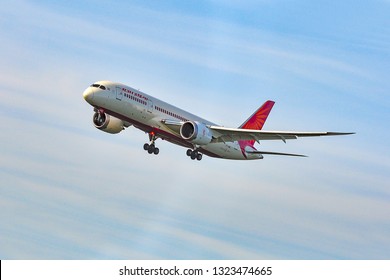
(256, 122)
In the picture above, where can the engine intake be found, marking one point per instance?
(107, 123)
(195, 132)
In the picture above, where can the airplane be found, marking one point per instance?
(118, 106)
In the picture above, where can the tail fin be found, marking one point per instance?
(257, 120)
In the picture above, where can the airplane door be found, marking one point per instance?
(119, 93)
(150, 106)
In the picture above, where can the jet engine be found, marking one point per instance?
(107, 123)
(195, 132)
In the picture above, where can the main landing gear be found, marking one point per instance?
(151, 148)
(194, 154)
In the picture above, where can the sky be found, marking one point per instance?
(70, 191)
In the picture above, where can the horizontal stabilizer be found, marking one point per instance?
(275, 153)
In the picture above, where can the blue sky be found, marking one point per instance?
(70, 191)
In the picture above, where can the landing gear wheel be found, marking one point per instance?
(194, 155)
(146, 146)
(156, 151)
(151, 149)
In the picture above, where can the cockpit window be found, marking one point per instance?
(99, 86)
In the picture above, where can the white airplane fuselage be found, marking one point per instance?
(151, 115)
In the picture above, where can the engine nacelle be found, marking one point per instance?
(107, 123)
(195, 132)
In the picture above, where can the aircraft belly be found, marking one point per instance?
(223, 150)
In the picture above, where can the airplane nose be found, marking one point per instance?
(88, 94)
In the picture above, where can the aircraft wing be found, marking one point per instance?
(223, 134)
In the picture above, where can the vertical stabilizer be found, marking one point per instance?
(256, 122)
